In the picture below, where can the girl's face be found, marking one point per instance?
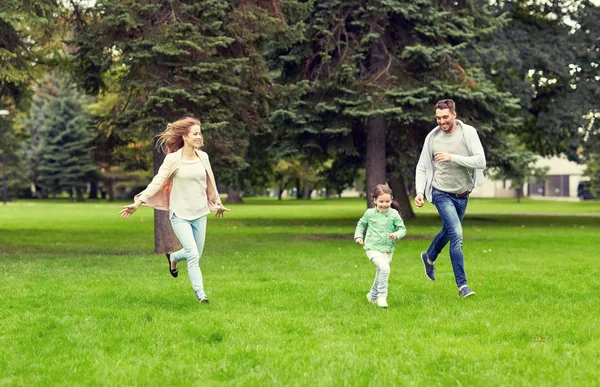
(194, 138)
(383, 202)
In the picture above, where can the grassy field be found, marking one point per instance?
(85, 302)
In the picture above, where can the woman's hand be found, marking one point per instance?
(393, 237)
(221, 212)
(359, 241)
(130, 209)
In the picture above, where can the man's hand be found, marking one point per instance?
(419, 200)
(442, 157)
(393, 237)
(359, 241)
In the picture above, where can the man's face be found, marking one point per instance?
(445, 119)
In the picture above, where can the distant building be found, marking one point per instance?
(562, 181)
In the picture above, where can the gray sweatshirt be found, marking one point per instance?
(426, 164)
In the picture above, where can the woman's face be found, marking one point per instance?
(194, 138)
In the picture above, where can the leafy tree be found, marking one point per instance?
(520, 168)
(361, 78)
(591, 153)
(547, 57)
(27, 44)
(196, 58)
(66, 161)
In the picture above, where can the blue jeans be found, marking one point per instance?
(191, 235)
(452, 211)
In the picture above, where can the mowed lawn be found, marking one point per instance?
(86, 302)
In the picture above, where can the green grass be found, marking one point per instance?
(85, 302)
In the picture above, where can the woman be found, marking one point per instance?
(185, 186)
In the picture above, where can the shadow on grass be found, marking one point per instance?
(115, 241)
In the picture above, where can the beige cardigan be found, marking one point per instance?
(158, 193)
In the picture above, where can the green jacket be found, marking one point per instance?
(381, 225)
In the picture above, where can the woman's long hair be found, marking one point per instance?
(171, 140)
(381, 189)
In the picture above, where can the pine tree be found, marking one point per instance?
(184, 58)
(44, 91)
(66, 160)
(362, 77)
(26, 42)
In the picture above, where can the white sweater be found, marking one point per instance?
(188, 196)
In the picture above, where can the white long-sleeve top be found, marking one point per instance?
(158, 193)
(188, 196)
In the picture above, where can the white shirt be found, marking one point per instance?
(188, 196)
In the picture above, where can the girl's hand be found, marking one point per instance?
(393, 237)
(359, 241)
(220, 212)
(130, 209)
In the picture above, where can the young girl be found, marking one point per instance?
(185, 186)
(385, 226)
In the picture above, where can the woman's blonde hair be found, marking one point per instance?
(171, 140)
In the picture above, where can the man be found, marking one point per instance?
(451, 165)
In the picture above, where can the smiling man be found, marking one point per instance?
(451, 165)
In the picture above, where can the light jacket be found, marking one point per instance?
(426, 164)
(158, 193)
(381, 225)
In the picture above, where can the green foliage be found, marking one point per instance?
(520, 167)
(65, 162)
(344, 62)
(27, 45)
(593, 172)
(177, 59)
(547, 57)
(11, 160)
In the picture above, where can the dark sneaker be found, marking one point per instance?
(429, 268)
(464, 291)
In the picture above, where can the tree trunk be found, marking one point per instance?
(165, 239)
(110, 189)
(234, 196)
(79, 195)
(398, 186)
(297, 188)
(306, 193)
(93, 190)
(376, 136)
(519, 194)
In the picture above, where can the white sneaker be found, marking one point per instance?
(382, 301)
(370, 298)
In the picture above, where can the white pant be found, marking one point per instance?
(382, 261)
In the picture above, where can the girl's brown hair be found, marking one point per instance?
(381, 189)
(171, 140)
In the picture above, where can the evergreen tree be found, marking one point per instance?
(184, 58)
(44, 91)
(361, 78)
(66, 160)
(26, 46)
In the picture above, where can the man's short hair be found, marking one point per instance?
(446, 104)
